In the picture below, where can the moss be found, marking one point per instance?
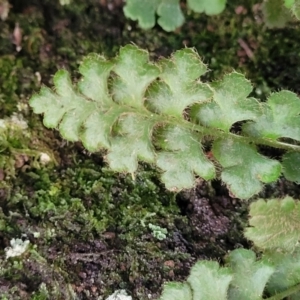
(8, 84)
(91, 220)
(86, 193)
(109, 205)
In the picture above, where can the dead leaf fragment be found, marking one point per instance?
(17, 37)
(4, 9)
(169, 263)
(240, 10)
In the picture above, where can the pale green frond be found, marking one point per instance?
(179, 86)
(230, 103)
(291, 166)
(64, 108)
(99, 126)
(95, 70)
(142, 11)
(244, 169)
(250, 276)
(135, 73)
(133, 143)
(161, 113)
(209, 281)
(170, 15)
(275, 224)
(280, 118)
(176, 291)
(287, 270)
(182, 158)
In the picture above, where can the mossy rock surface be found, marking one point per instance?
(89, 228)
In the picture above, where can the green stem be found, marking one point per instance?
(292, 290)
(249, 140)
(215, 132)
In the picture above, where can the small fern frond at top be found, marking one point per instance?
(170, 15)
(163, 114)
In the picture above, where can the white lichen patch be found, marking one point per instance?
(119, 295)
(44, 158)
(16, 122)
(18, 247)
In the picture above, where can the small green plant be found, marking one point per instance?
(158, 232)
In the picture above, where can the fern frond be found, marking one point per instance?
(161, 113)
(275, 224)
(231, 103)
(209, 7)
(206, 281)
(250, 276)
(243, 277)
(169, 12)
(287, 272)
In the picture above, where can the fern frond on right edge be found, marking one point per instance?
(169, 12)
(162, 113)
(275, 224)
(275, 230)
